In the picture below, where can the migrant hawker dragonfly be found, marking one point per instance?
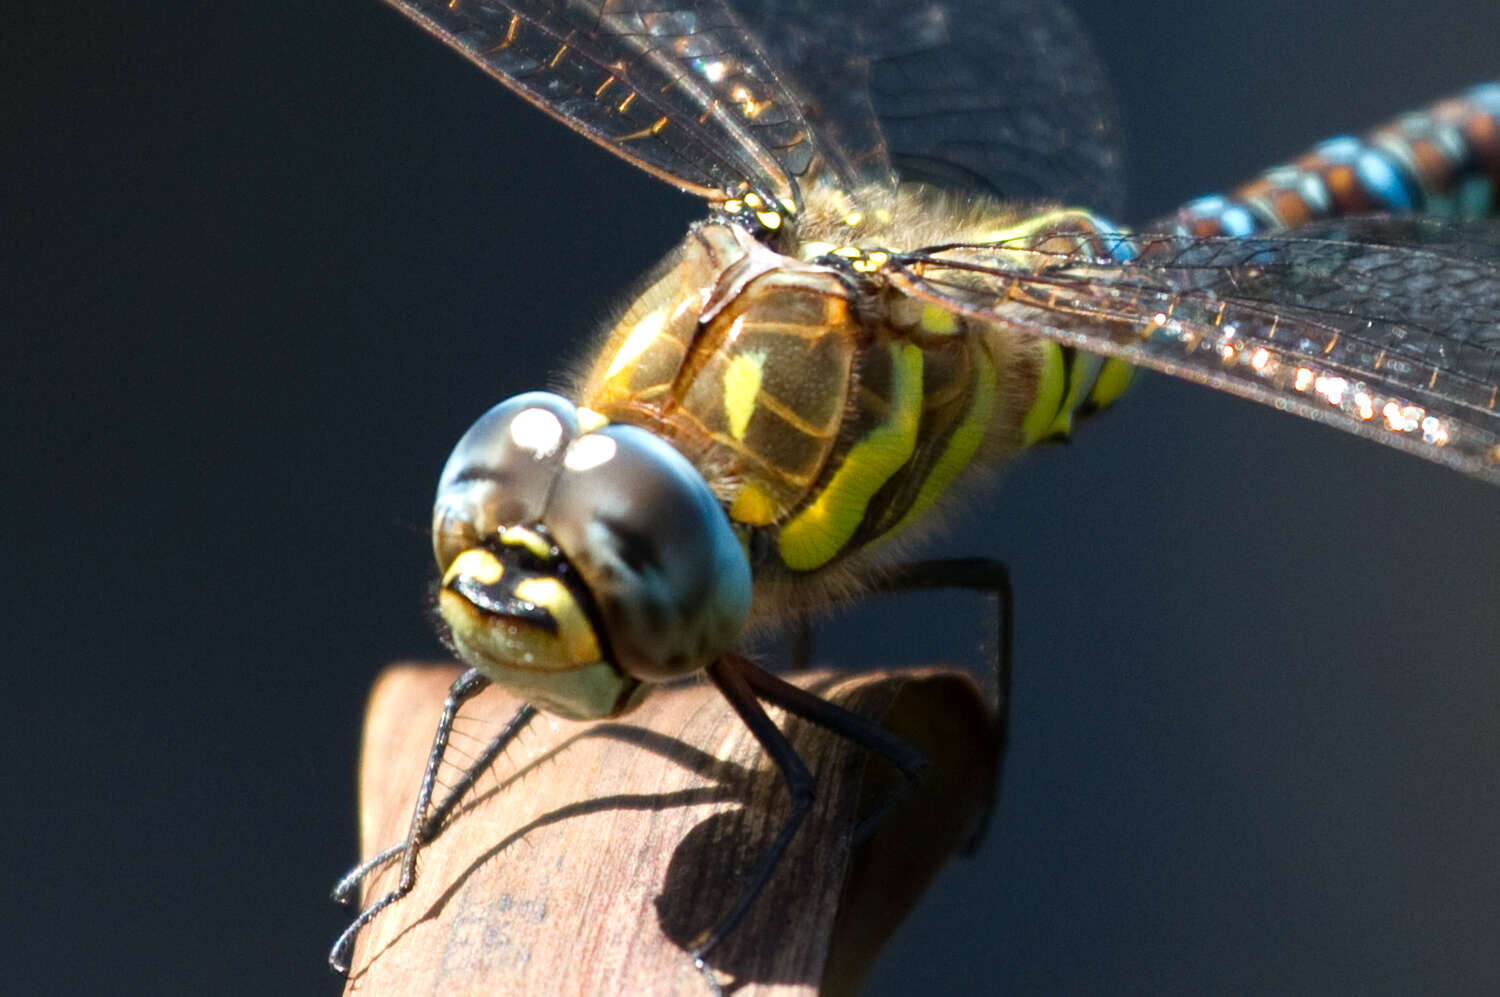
(831, 351)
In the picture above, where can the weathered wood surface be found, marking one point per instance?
(597, 851)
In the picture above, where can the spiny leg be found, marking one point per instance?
(845, 723)
(742, 683)
(425, 820)
(729, 675)
(849, 725)
(347, 888)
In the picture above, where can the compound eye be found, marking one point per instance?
(655, 548)
(501, 472)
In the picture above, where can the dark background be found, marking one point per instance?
(262, 264)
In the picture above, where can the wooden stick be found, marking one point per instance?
(599, 850)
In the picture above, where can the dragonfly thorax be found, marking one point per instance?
(826, 409)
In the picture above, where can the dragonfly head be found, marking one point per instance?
(582, 561)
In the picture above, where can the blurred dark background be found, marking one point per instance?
(262, 264)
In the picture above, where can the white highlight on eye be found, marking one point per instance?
(538, 431)
(588, 452)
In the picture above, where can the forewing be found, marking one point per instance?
(1000, 96)
(1388, 328)
(678, 87)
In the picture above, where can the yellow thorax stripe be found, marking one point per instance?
(1114, 377)
(962, 444)
(1069, 381)
(1051, 382)
(816, 534)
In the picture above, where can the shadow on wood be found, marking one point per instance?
(598, 850)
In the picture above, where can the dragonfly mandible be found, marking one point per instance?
(884, 301)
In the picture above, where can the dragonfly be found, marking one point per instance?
(893, 294)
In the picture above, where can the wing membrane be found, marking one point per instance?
(1000, 96)
(677, 87)
(1387, 328)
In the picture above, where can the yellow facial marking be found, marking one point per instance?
(560, 672)
(573, 629)
(478, 564)
(742, 380)
(521, 536)
(816, 534)
(770, 219)
(641, 336)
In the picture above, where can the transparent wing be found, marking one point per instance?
(1388, 328)
(678, 87)
(1000, 96)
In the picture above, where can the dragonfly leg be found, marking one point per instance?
(973, 574)
(986, 577)
(729, 676)
(845, 723)
(427, 820)
(742, 684)
(346, 888)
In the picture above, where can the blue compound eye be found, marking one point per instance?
(577, 566)
(655, 548)
(501, 471)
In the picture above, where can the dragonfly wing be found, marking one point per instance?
(1000, 96)
(681, 89)
(1387, 328)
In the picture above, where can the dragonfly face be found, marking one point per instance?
(656, 585)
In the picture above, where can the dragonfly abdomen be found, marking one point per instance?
(1442, 161)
